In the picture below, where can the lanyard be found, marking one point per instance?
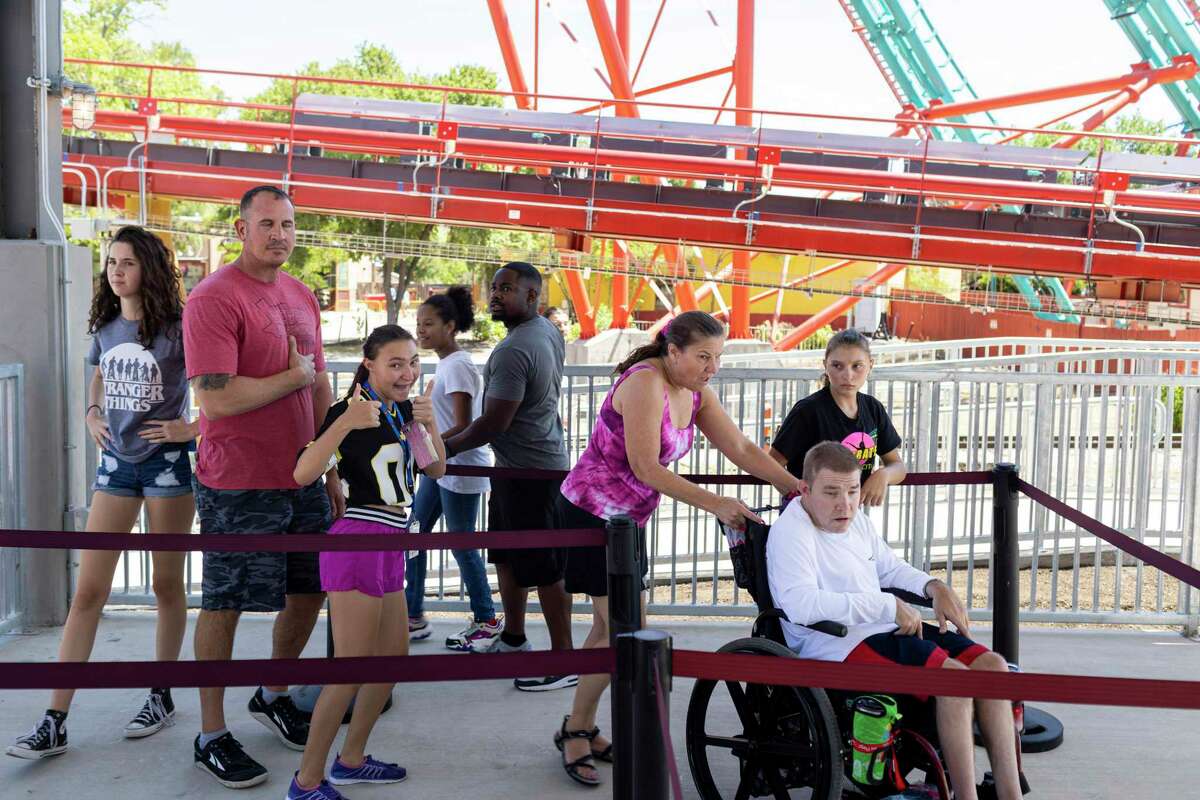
(390, 416)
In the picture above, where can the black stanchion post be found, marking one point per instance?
(1041, 731)
(624, 617)
(1005, 566)
(651, 675)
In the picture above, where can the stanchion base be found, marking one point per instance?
(1043, 732)
(305, 698)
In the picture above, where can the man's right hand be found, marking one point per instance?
(908, 619)
(301, 364)
(360, 412)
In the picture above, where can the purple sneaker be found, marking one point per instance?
(323, 792)
(370, 771)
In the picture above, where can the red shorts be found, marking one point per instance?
(930, 650)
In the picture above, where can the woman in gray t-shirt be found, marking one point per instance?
(137, 418)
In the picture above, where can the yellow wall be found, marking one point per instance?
(766, 269)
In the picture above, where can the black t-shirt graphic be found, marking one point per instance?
(817, 419)
(377, 467)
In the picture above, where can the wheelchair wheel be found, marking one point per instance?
(753, 740)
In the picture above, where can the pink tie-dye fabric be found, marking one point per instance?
(602, 482)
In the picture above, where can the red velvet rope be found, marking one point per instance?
(510, 473)
(945, 682)
(1172, 566)
(304, 542)
(314, 671)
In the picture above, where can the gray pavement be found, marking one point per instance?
(483, 739)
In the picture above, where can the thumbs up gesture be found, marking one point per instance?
(301, 364)
(361, 413)
(423, 406)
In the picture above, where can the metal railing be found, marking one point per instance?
(12, 513)
(1114, 446)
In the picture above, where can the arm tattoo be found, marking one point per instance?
(211, 382)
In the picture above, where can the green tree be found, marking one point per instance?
(1132, 124)
(99, 30)
(373, 62)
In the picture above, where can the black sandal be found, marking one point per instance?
(605, 755)
(572, 767)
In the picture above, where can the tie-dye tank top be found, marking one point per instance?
(602, 482)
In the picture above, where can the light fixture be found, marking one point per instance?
(80, 96)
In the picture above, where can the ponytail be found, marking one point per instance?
(681, 331)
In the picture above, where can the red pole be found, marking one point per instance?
(1130, 94)
(537, 48)
(614, 58)
(623, 29)
(836, 309)
(508, 50)
(1182, 68)
(620, 285)
(743, 82)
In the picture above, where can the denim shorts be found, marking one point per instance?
(166, 473)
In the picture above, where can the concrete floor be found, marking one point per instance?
(483, 739)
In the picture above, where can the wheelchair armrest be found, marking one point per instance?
(910, 598)
(824, 626)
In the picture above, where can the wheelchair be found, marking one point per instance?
(754, 740)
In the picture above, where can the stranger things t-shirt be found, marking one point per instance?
(817, 419)
(140, 383)
(236, 325)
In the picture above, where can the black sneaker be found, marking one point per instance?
(228, 763)
(157, 712)
(547, 684)
(281, 718)
(49, 738)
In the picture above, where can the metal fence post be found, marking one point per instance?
(651, 651)
(624, 617)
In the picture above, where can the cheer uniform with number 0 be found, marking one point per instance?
(379, 476)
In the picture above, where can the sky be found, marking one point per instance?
(806, 56)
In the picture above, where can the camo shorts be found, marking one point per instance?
(260, 581)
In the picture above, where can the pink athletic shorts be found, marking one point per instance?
(373, 572)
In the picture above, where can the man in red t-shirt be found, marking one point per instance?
(252, 342)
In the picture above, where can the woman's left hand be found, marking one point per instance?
(788, 489)
(162, 431)
(874, 488)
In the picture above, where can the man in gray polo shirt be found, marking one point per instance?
(522, 384)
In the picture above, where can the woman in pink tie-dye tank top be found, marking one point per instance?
(648, 420)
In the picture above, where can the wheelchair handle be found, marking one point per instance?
(822, 626)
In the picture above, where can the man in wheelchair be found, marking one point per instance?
(827, 562)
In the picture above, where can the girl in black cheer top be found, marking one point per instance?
(839, 411)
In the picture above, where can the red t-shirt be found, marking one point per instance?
(236, 325)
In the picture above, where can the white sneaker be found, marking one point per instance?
(419, 629)
(477, 637)
(498, 645)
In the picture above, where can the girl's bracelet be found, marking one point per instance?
(95, 406)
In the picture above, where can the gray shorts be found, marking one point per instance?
(260, 581)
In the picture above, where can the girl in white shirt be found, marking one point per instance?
(457, 400)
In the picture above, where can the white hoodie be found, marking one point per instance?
(818, 575)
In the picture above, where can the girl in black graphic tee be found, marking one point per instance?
(838, 411)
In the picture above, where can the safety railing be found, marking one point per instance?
(1115, 446)
(12, 514)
